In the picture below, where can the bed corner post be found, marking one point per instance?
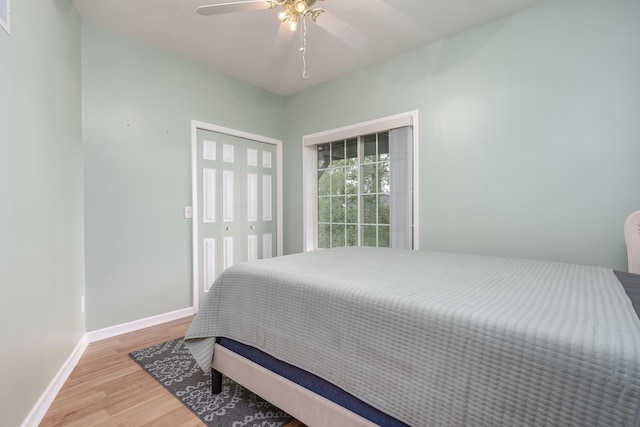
(216, 381)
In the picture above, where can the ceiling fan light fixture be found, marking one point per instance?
(295, 10)
(300, 7)
(315, 13)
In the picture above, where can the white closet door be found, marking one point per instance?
(237, 196)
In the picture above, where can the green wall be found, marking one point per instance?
(41, 218)
(138, 103)
(529, 132)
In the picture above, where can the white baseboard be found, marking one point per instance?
(46, 399)
(113, 331)
(42, 405)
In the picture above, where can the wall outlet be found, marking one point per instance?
(82, 305)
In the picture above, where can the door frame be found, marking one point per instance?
(195, 125)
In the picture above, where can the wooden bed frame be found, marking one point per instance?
(299, 402)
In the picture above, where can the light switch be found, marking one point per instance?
(188, 212)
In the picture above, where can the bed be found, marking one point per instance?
(424, 338)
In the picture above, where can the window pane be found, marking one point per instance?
(383, 209)
(337, 234)
(351, 180)
(369, 214)
(369, 148)
(369, 235)
(352, 152)
(324, 209)
(352, 235)
(383, 177)
(337, 181)
(323, 156)
(383, 146)
(337, 154)
(383, 237)
(324, 182)
(337, 209)
(369, 183)
(352, 210)
(324, 236)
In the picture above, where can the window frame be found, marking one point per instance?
(309, 164)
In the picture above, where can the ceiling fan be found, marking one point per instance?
(294, 12)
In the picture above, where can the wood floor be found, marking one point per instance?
(108, 389)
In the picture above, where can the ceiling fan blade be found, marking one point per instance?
(342, 31)
(240, 6)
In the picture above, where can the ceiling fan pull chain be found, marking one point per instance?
(303, 49)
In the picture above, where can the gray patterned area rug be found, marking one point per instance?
(171, 364)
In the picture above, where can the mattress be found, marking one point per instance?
(439, 339)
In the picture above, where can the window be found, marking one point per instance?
(359, 187)
(353, 192)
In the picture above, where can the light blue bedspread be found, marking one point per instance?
(438, 339)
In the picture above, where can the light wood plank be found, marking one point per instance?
(107, 388)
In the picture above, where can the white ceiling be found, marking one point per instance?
(254, 47)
